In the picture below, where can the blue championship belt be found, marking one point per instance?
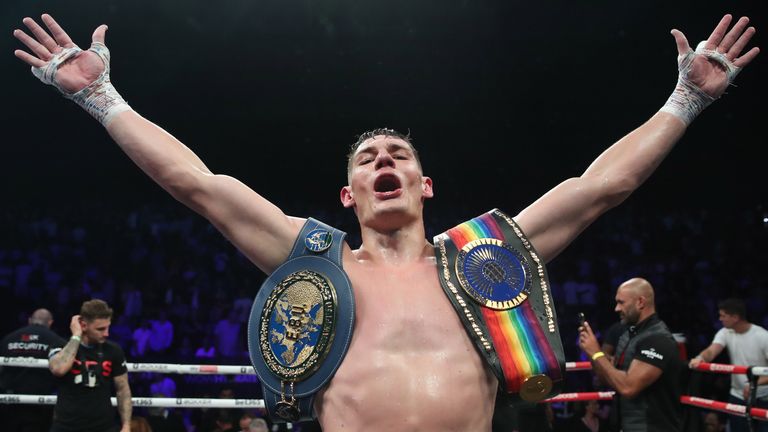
(301, 323)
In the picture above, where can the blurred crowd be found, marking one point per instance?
(183, 294)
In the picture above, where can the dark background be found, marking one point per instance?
(504, 99)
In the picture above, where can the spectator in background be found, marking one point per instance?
(257, 425)
(712, 422)
(120, 331)
(207, 350)
(242, 305)
(164, 419)
(586, 418)
(207, 419)
(163, 385)
(132, 301)
(225, 422)
(33, 340)
(245, 421)
(227, 334)
(141, 338)
(89, 367)
(185, 351)
(161, 335)
(747, 345)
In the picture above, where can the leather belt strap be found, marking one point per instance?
(301, 323)
(499, 287)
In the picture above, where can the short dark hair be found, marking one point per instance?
(95, 309)
(365, 136)
(733, 306)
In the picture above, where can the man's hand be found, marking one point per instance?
(746, 392)
(75, 326)
(62, 361)
(76, 72)
(587, 340)
(695, 362)
(708, 74)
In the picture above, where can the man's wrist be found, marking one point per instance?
(597, 355)
(76, 338)
(101, 100)
(687, 101)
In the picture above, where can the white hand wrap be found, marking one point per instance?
(688, 100)
(731, 69)
(99, 98)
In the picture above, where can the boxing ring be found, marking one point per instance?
(752, 372)
(166, 368)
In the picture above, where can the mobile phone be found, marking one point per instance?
(582, 319)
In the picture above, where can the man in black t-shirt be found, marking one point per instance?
(87, 368)
(34, 340)
(647, 370)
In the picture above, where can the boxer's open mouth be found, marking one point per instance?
(387, 186)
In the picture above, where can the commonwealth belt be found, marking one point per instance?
(499, 287)
(301, 323)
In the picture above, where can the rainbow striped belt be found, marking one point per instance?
(499, 287)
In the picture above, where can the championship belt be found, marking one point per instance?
(499, 287)
(301, 323)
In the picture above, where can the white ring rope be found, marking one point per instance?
(15, 399)
(145, 367)
(248, 370)
(259, 403)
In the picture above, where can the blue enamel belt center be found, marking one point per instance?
(318, 240)
(297, 324)
(493, 273)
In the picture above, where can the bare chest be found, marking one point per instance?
(403, 310)
(408, 355)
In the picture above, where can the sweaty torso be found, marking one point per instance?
(410, 364)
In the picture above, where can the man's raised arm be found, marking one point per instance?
(256, 226)
(555, 219)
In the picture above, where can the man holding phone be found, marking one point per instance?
(646, 370)
(87, 367)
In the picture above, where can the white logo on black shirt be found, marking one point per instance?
(651, 353)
